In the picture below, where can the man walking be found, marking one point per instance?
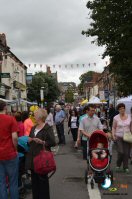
(59, 121)
(8, 154)
(87, 126)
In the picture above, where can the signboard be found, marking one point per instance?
(5, 75)
(2, 90)
(106, 92)
(101, 95)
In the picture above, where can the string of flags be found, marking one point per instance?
(63, 65)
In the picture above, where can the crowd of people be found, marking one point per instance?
(36, 125)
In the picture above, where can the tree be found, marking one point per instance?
(51, 90)
(87, 77)
(111, 26)
(69, 96)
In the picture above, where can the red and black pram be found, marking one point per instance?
(99, 168)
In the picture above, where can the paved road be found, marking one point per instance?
(68, 181)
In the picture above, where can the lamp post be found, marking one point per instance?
(42, 97)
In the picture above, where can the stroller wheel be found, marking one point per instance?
(86, 177)
(110, 175)
(92, 184)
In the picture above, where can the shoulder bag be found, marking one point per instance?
(44, 163)
(127, 137)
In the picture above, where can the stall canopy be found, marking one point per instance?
(127, 101)
(16, 101)
(84, 102)
(95, 100)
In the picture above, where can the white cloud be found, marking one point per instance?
(49, 32)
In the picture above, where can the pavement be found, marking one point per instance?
(68, 181)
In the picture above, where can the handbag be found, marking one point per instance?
(44, 163)
(127, 137)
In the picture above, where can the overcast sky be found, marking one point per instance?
(49, 32)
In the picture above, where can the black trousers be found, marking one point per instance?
(123, 149)
(40, 186)
(60, 133)
(74, 133)
(84, 145)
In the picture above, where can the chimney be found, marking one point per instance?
(48, 70)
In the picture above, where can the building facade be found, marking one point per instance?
(12, 74)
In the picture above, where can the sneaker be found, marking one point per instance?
(126, 170)
(118, 168)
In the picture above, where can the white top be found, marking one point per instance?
(49, 119)
(36, 131)
(74, 122)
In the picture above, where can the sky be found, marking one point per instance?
(48, 32)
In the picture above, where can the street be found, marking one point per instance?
(68, 181)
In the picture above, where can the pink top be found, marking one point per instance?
(120, 126)
(21, 131)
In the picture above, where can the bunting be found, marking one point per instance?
(65, 65)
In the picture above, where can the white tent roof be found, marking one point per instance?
(95, 100)
(127, 101)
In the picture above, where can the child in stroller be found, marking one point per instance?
(98, 158)
(99, 153)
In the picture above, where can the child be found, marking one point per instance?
(99, 153)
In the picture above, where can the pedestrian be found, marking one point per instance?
(8, 154)
(73, 124)
(112, 113)
(121, 124)
(59, 121)
(28, 123)
(49, 120)
(41, 135)
(18, 117)
(87, 126)
(83, 115)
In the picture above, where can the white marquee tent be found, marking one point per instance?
(95, 100)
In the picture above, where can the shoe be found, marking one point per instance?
(118, 169)
(126, 171)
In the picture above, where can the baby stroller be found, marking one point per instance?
(99, 168)
(24, 181)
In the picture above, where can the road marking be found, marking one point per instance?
(93, 193)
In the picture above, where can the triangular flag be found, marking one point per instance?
(41, 65)
(94, 64)
(54, 66)
(83, 65)
(59, 66)
(34, 65)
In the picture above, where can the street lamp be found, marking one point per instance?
(42, 96)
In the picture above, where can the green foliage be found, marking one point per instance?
(51, 90)
(85, 77)
(69, 96)
(111, 26)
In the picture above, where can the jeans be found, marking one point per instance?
(9, 168)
